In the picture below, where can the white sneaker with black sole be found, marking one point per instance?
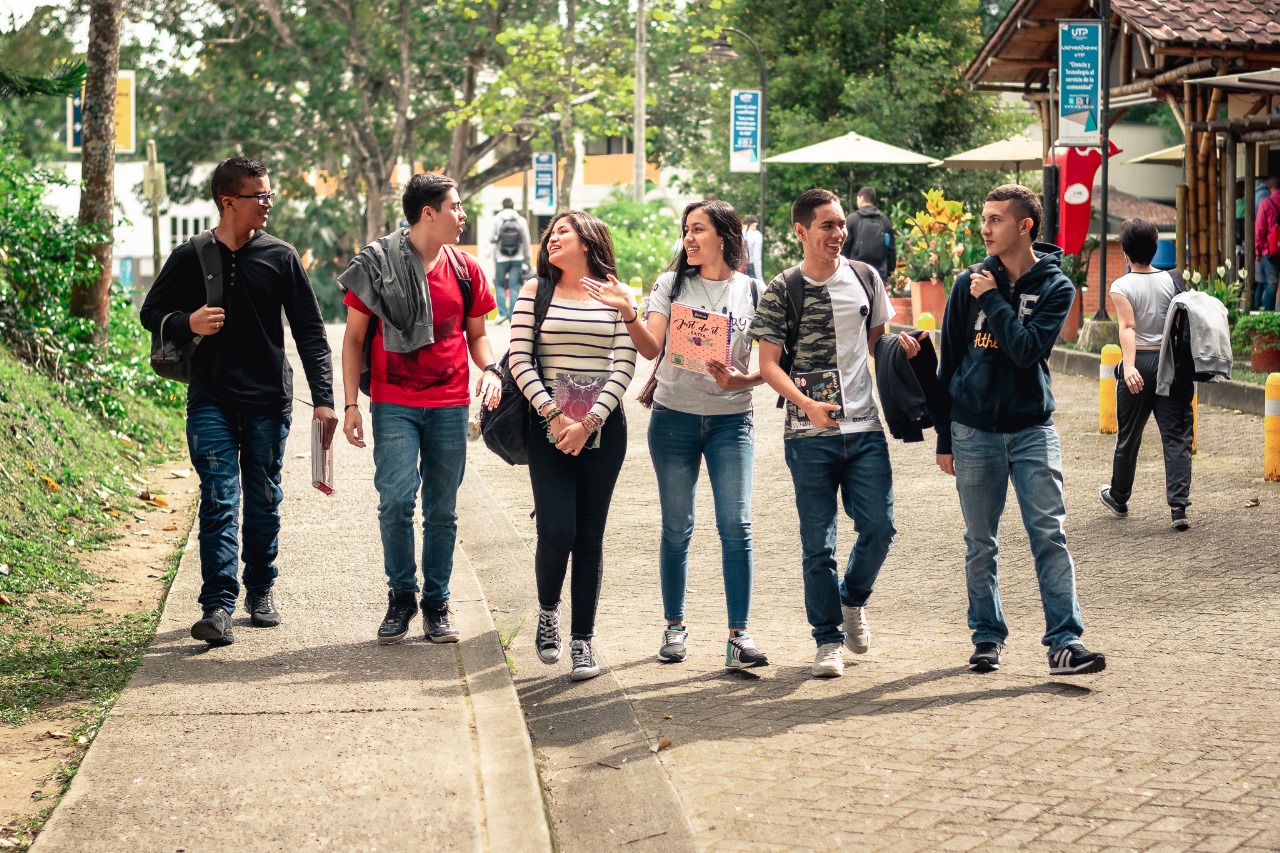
(1075, 659)
(740, 652)
(548, 636)
(829, 661)
(675, 642)
(584, 663)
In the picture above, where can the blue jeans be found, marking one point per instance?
(506, 278)
(234, 452)
(1032, 458)
(1264, 295)
(857, 466)
(677, 443)
(416, 448)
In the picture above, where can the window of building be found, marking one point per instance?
(183, 228)
(609, 145)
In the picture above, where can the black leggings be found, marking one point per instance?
(571, 497)
(1173, 417)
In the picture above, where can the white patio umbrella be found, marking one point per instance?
(1170, 155)
(852, 148)
(1007, 155)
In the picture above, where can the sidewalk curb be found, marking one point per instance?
(515, 814)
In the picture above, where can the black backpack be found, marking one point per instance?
(167, 358)
(509, 239)
(462, 273)
(870, 241)
(505, 427)
(795, 302)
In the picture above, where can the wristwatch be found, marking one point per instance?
(494, 369)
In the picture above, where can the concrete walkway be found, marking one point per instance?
(310, 736)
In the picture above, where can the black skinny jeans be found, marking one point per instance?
(571, 496)
(1173, 418)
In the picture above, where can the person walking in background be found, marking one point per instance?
(511, 243)
(1266, 243)
(573, 375)
(994, 422)
(240, 399)
(839, 311)
(754, 247)
(1142, 298)
(870, 237)
(415, 310)
(697, 416)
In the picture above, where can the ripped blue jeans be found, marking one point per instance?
(233, 452)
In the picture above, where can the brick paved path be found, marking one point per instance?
(1175, 747)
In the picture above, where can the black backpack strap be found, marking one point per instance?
(973, 270)
(755, 293)
(542, 304)
(862, 272)
(793, 278)
(463, 274)
(206, 246)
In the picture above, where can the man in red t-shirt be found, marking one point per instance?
(419, 388)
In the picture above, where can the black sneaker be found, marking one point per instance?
(1075, 659)
(1118, 509)
(1179, 520)
(402, 606)
(584, 662)
(740, 652)
(437, 626)
(262, 608)
(548, 639)
(985, 657)
(214, 627)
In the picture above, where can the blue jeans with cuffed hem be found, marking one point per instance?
(235, 453)
(856, 467)
(419, 448)
(678, 442)
(985, 463)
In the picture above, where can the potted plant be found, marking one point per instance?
(935, 243)
(899, 289)
(1259, 335)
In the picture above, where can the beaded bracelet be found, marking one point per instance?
(592, 422)
(551, 416)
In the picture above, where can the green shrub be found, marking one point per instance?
(1263, 326)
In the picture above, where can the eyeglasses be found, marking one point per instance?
(263, 198)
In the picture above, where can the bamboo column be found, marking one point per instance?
(1189, 164)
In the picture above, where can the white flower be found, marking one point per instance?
(1196, 278)
(1222, 272)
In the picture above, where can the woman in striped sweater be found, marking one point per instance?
(573, 376)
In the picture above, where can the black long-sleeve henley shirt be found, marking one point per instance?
(243, 367)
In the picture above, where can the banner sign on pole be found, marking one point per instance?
(544, 178)
(1080, 84)
(744, 130)
(126, 116)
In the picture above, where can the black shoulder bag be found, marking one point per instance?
(505, 427)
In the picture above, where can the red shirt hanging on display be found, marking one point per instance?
(1077, 166)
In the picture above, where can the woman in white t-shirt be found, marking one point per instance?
(1142, 298)
(698, 416)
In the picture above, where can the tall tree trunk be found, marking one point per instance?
(89, 297)
(567, 149)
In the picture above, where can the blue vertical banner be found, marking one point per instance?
(1080, 84)
(744, 130)
(544, 178)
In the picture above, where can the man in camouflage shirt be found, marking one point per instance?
(832, 449)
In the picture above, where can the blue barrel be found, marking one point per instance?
(1166, 258)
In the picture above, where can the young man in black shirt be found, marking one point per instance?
(240, 400)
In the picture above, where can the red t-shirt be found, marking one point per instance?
(436, 375)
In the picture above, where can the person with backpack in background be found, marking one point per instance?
(415, 310)
(871, 238)
(826, 314)
(753, 242)
(700, 416)
(510, 256)
(240, 400)
(1142, 297)
(1266, 244)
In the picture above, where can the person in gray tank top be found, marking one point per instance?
(1142, 298)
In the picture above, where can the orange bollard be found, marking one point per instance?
(1271, 431)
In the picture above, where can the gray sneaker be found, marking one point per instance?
(857, 634)
(262, 608)
(584, 663)
(674, 644)
(548, 638)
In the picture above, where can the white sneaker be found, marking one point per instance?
(857, 634)
(829, 661)
(584, 663)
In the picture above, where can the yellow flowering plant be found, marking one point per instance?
(938, 240)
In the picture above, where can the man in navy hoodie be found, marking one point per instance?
(995, 424)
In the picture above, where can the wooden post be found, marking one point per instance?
(1229, 234)
(1250, 179)
(1180, 228)
(1189, 165)
(1213, 198)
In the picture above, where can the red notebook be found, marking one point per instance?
(696, 337)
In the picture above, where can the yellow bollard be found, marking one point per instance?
(925, 322)
(1195, 420)
(1271, 431)
(1107, 423)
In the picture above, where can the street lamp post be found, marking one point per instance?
(722, 49)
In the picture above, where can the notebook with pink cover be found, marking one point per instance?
(696, 337)
(576, 393)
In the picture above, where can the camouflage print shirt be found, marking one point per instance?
(833, 336)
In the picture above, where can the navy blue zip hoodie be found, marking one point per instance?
(993, 368)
